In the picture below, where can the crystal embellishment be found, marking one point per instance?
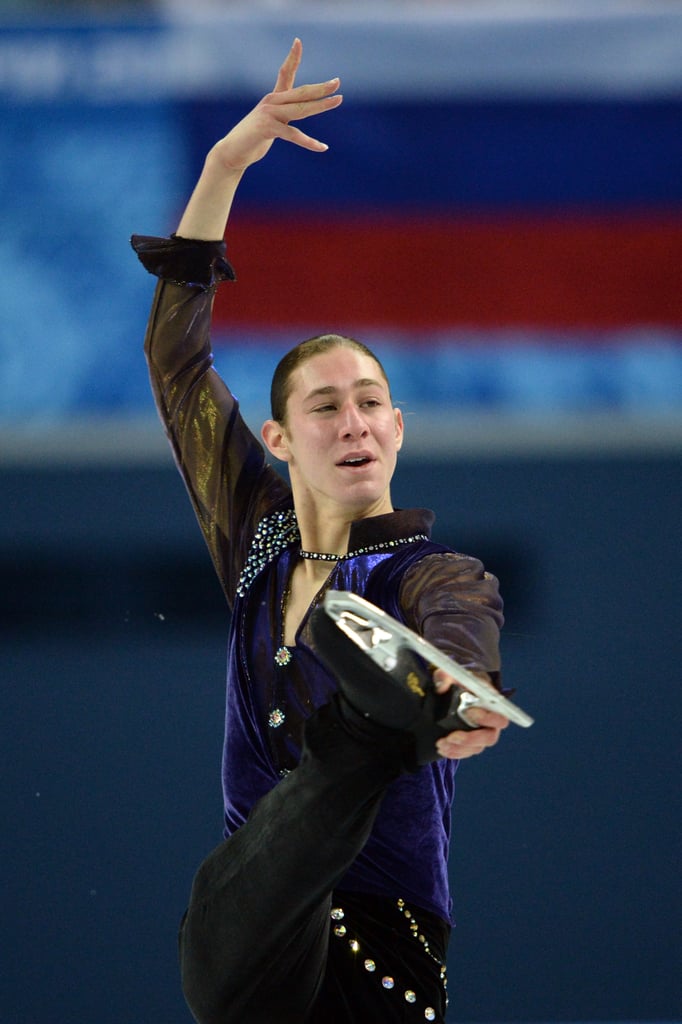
(278, 530)
(410, 996)
(282, 656)
(273, 534)
(276, 718)
(370, 966)
(337, 914)
(430, 1013)
(387, 982)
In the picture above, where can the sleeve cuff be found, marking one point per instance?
(184, 261)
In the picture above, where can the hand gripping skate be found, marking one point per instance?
(386, 674)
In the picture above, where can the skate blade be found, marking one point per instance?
(381, 637)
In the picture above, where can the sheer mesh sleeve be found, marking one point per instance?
(455, 604)
(223, 465)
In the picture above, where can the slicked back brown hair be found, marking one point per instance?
(281, 379)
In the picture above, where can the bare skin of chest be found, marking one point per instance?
(304, 588)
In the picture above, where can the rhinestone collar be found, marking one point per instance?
(319, 556)
(277, 531)
(367, 549)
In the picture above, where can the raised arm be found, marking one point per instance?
(206, 215)
(222, 463)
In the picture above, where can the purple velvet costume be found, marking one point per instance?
(244, 509)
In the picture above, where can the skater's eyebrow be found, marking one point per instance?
(332, 389)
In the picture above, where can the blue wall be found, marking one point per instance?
(566, 855)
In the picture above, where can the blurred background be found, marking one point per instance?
(500, 216)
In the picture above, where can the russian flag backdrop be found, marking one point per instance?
(503, 248)
(466, 214)
(499, 213)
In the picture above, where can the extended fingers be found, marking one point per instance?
(302, 93)
(295, 105)
(289, 103)
(288, 133)
(287, 73)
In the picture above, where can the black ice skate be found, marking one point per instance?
(384, 671)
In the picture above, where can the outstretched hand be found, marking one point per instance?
(206, 214)
(271, 118)
(461, 743)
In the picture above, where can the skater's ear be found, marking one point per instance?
(275, 440)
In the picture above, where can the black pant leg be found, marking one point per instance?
(253, 944)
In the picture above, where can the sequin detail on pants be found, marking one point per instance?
(388, 981)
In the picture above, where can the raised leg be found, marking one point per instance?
(253, 944)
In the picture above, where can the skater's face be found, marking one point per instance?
(341, 434)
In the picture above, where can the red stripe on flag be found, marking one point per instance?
(434, 272)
